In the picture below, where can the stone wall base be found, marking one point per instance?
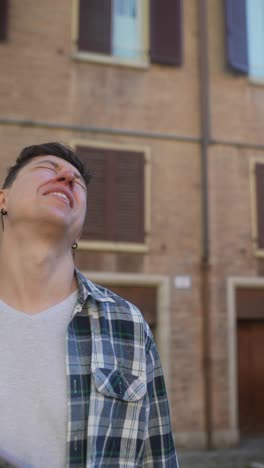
(198, 440)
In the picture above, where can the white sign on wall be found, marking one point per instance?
(182, 282)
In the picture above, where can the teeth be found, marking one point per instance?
(61, 195)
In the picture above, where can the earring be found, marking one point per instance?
(74, 245)
(3, 213)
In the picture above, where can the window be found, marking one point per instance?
(255, 28)
(245, 36)
(117, 198)
(3, 19)
(129, 31)
(127, 35)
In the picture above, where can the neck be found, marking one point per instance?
(35, 274)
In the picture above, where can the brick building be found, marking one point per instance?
(165, 102)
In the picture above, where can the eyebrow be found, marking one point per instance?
(56, 165)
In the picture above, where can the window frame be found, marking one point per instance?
(238, 40)
(111, 246)
(84, 56)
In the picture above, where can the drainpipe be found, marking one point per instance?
(205, 260)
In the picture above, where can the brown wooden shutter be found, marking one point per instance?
(95, 26)
(3, 19)
(166, 32)
(115, 195)
(260, 203)
(236, 35)
(95, 224)
(130, 197)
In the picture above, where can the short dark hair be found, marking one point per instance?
(53, 149)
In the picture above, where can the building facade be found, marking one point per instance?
(165, 103)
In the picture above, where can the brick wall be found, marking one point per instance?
(41, 82)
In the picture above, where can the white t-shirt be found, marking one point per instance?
(33, 385)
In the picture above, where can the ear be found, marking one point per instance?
(3, 199)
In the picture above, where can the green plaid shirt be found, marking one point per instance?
(118, 409)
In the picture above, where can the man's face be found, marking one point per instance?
(48, 190)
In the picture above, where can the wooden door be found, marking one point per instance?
(251, 376)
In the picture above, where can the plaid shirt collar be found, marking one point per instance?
(87, 288)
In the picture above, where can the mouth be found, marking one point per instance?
(60, 196)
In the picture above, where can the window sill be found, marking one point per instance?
(259, 253)
(112, 246)
(110, 60)
(256, 81)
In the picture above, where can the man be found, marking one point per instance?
(81, 383)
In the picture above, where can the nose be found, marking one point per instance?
(66, 175)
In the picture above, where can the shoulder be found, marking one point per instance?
(121, 307)
(102, 294)
(117, 309)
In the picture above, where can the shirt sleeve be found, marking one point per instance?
(159, 444)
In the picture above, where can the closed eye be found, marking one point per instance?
(52, 169)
